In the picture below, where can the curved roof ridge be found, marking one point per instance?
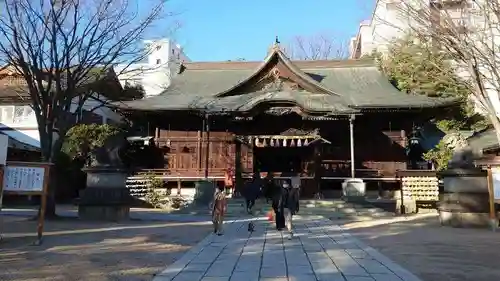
(276, 51)
(261, 67)
(302, 74)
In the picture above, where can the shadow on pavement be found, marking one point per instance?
(77, 250)
(433, 252)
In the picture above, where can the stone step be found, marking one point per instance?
(334, 209)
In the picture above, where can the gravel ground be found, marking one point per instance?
(75, 250)
(436, 253)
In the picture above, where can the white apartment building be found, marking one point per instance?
(19, 121)
(155, 72)
(389, 22)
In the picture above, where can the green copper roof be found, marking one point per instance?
(484, 141)
(342, 87)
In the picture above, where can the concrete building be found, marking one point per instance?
(18, 120)
(389, 21)
(155, 72)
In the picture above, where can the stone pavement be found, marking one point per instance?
(320, 251)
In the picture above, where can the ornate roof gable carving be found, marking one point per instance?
(273, 81)
(276, 73)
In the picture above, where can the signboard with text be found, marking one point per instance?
(20, 179)
(27, 178)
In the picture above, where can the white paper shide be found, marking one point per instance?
(23, 179)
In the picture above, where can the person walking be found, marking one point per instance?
(251, 191)
(278, 205)
(291, 200)
(219, 209)
(269, 187)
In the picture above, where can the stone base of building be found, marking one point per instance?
(407, 206)
(456, 219)
(104, 213)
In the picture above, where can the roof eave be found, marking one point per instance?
(407, 107)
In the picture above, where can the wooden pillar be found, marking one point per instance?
(404, 143)
(238, 178)
(351, 141)
(179, 186)
(404, 139)
(207, 152)
(317, 167)
(199, 150)
(202, 143)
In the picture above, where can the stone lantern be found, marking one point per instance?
(106, 196)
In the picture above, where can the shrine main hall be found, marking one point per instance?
(327, 120)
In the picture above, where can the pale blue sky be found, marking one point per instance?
(215, 30)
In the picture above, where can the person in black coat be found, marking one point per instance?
(279, 204)
(290, 199)
(251, 191)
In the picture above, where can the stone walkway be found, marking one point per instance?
(320, 251)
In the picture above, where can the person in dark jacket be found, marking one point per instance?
(251, 191)
(269, 187)
(279, 205)
(291, 198)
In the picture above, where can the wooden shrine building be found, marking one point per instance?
(327, 120)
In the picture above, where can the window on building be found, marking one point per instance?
(158, 47)
(18, 111)
(158, 61)
(393, 5)
(28, 111)
(8, 113)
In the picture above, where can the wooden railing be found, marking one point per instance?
(218, 174)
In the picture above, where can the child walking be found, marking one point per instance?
(219, 210)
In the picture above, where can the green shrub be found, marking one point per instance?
(439, 155)
(178, 202)
(154, 196)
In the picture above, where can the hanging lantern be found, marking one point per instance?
(292, 143)
(306, 142)
(264, 143)
(272, 142)
(414, 141)
(257, 143)
(284, 142)
(299, 143)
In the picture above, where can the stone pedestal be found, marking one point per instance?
(204, 193)
(106, 197)
(464, 201)
(354, 190)
(406, 206)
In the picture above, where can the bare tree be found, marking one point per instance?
(64, 49)
(316, 47)
(469, 32)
